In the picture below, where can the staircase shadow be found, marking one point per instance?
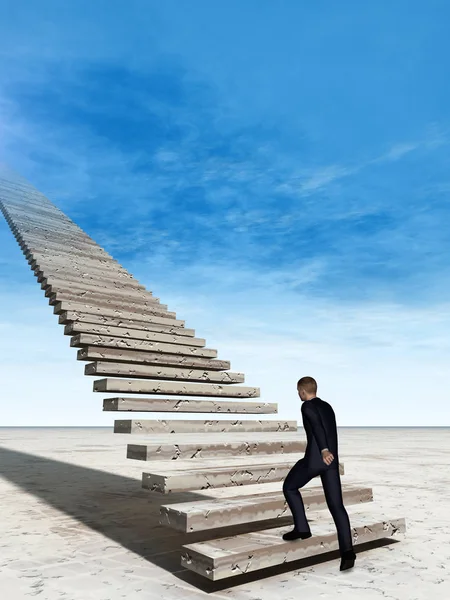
(118, 508)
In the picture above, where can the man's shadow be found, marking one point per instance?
(121, 510)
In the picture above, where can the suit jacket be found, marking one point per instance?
(319, 422)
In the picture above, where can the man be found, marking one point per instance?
(321, 458)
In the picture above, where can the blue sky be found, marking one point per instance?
(277, 173)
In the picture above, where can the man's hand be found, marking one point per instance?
(327, 457)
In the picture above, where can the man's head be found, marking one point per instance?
(307, 388)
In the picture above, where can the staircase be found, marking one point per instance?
(137, 346)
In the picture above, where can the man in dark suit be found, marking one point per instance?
(321, 458)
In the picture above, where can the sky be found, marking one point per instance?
(276, 173)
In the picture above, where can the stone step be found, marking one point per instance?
(102, 266)
(60, 256)
(105, 306)
(193, 516)
(102, 286)
(138, 304)
(113, 290)
(131, 334)
(81, 278)
(172, 426)
(234, 555)
(158, 372)
(132, 386)
(38, 210)
(180, 347)
(78, 272)
(50, 249)
(65, 305)
(57, 225)
(44, 233)
(188, 405)
(151, 358)
(105, 326)
(106, 296)
(215, 477)
(201, 449)
(30, 238)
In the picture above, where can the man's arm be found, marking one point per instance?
(316, 425)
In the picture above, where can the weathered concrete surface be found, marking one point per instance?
(231, 556)
(81, 277)
(151, 358)
(103, 285)
(174, 426)
(110, 300)
(80, 274)
(162, 372)
(105, 325)
(102, 266)
(118, 313)
(131, 386)
(188, 405)
(104, 307)
(180, 346)
(131, 334)
(223, 512)
(119, 290)
(210, 477)
(49, 249)
(192, 450)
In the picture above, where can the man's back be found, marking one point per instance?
(319, 422)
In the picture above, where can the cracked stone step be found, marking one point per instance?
(146, 315)
(68, 317)
(112, 290)
(201, 449)
(233, 555)
(50, 249)
(105, 306)
(132, 386)
(213, 477)
(151, 304)
(79, 273)
(188, 405)
(91, 329)
(151, 358)
(101, 266)
(80, 278)
(102, 285)
(159, 372)
(105, 326)
(31, 234)
(178, 346)
(200, 515)
(149, 426)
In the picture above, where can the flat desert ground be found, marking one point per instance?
(76, 523)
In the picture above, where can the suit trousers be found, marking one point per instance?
(299, 476)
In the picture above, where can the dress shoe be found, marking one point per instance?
(294, 534)
(347, 560)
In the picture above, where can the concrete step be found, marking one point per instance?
(94, 284)
(151, 358)
(234, 555)
(43, 233)
(201, 449)
(81, 278)
(188, 405)
(107, 296)
(32, 237)
(130, 308)
(193, 516)
(138, 304)
(72, 272)
(180, 347)
(132, 386)
(132, 334)
(147, 426)
(56, 249)
(65, 305)
(122, 292)
(35, 217)
(166, 373)
(105, 326)
(214, 477)
(103, 266)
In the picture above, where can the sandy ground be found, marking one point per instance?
(76, 524)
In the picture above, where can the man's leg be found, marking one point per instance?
(297, 477)
(331, 482)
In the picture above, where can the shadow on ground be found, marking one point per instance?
(119, 509)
